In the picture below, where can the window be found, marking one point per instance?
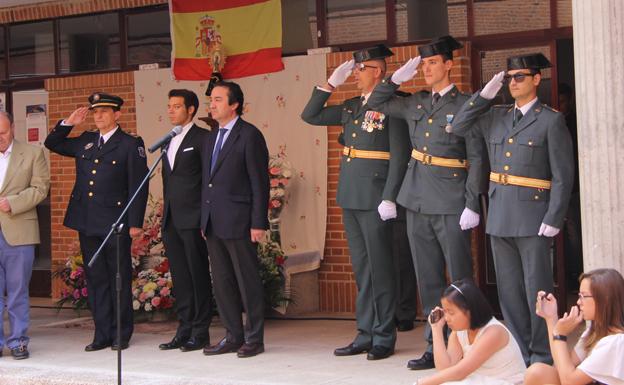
(89, 43)
(148, 37)
(410, 12)
(2, 54)
(352, 21)
(31, 49)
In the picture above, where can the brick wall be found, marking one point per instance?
(65, 95)
(504, 16)
(60, 8)
(336, 279)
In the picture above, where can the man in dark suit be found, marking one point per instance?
(531, 159)
(184, 246)
(235, 199)
(110, 165)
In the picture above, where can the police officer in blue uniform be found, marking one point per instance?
(110, 165)
(532, 173)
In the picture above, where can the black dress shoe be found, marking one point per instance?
(351, 350)
(194, 343)
(405, 325)
(250, 350)
(95, 346)
(175, 343)
(222, 347)
(124, 345)
(424, 362)
(379, 352)
(20, 352)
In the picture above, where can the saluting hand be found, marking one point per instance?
(407, 71)
(493, 86)
(341, 73)
(78, 116)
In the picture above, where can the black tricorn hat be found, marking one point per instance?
(533, 61)
(380, 51)
(439, 46)
(100, 99)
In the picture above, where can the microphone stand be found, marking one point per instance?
(116, 229)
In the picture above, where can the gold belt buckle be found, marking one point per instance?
(503, 179)
(426, 159)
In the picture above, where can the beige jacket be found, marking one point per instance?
(25, 185)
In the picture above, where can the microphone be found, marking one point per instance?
(165, 139)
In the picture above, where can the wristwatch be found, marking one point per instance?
(559, 337)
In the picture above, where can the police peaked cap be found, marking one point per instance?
(440, 46)
(378, 52)
(533, 61)
(100, 99)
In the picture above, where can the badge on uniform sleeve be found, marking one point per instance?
(88, 146)
(141, 152)
(448, 128)
(373, 120)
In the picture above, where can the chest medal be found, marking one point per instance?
(373, 120)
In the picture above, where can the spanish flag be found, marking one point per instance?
(235, 37)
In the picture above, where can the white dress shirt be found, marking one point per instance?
(5, 158)
(175, 143)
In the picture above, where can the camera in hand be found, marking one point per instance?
(436, 315)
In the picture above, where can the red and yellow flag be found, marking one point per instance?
(235, 37)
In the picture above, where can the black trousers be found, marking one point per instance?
(404, 270)
(237, 287)
(190, 272)
(101, 286)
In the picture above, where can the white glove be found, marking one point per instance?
(407, 71)
(547, 231)
(387, 210)
(493, 86)
(341, 73)
(468, 219)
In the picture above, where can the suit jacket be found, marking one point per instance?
(105, 179)
(363, 183)
(182, 185)
(235, 197)
(26, 184)
(433, 189)
(539, 146)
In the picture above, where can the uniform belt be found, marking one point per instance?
(523, 181)
(438, 161)
(365, 154)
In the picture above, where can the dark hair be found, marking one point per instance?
(471, 300)
(447, 56)
(607, 289)
(8, 116)
(190, 99)
(235, 95)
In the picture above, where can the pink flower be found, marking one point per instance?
(275, 170)
(164, 291)
(84, 291)
(275, 182)
(284, 181)
(76, 294)
(162, 282)
(155, 301)
(73, 274)
(275, 203)
(142, 297)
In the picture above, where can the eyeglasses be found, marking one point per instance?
(582, 296)
(518, 77)
(362, 67)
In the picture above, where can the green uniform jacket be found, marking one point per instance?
(539, 146)
(363, 183)
(433, 189)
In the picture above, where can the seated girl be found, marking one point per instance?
(599, 354)
(480, 351)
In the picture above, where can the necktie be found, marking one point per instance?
(217, 149)
(517, 116)
(100, 142)
(436, 98)
(362, 100)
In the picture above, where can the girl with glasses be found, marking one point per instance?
(480, 350)
(598, 357)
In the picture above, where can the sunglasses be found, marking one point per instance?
(362, 67)
(518, 77)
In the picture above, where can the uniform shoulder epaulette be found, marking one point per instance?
(502, 106)
(549, 108)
